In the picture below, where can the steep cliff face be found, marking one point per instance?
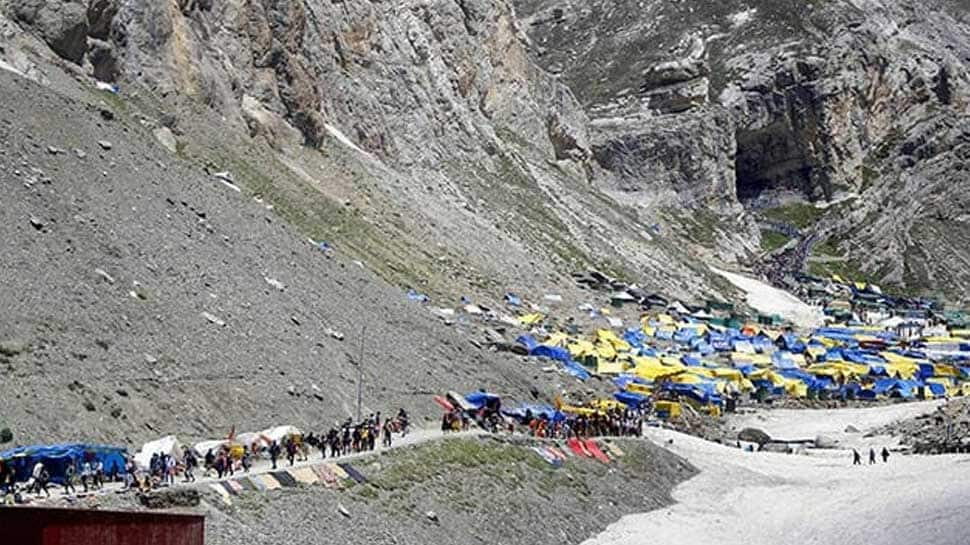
(827, 102)
(420, 136)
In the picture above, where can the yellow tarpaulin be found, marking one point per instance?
(639, 388)
(604, 367)
(531, 319)
(581, 349)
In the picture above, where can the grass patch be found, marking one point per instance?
(801, 215)
(849, 270)
(829, 248)
(414, 466)
(869, 176)
(772, 240)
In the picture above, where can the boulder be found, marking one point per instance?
(754, 435)
(63, 25)
(826, 441)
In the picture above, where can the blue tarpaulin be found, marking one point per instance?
(56, 458)
(537, 411)
(554, 353)
(630, 399)
(480, 399)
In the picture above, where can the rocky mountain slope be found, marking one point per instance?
(144, 298)
(795, 105)
(463, 147)
(157, 276)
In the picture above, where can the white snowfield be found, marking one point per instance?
(765, 498)
(797, 424)
(771, 300)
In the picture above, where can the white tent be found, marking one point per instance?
(249, 439)
(280, 432)
(166, 445)
(202, 447)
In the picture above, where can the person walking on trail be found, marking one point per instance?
(291, 451)
(87, 475)
(274, 453)
(70, 473)
(190, 463)
(402, 418)
(40, 476)
(386, 441)
(872, 456)
(210, 461)
(856, 458)
(885, 455)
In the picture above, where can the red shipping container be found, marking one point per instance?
(53, 526)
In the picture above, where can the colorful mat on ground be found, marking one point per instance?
(269, 482)
(284, 478)
(594, 449)
(353, 473)
(304, 475)
(578, 447)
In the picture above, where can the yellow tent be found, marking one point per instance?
(557, 339)
(727, 373)
(615, 367)
(583, 411)
(607, 336)
(607, 404)
(581, 348)
(531, 319)
(650, 368)
(639, 388)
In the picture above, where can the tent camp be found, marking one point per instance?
(166, 445)
(57, 458)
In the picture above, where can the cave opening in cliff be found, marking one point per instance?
(770, 161)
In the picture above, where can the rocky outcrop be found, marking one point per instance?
(685, 160)
(63, 25)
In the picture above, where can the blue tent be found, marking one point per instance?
(630, 399)
(783, 360)
(480, 399)
(57, 458)
(634, 337)
(537, 411)
(528, 341)
(554, 353)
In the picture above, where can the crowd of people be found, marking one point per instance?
(350, 437)
(857, 458)
(614, 422)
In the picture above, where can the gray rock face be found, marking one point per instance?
(100, 15)
(826, 99)
(63, 25)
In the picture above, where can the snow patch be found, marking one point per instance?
(742, 18)
(771, 300)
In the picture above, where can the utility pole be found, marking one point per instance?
(360, 372)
